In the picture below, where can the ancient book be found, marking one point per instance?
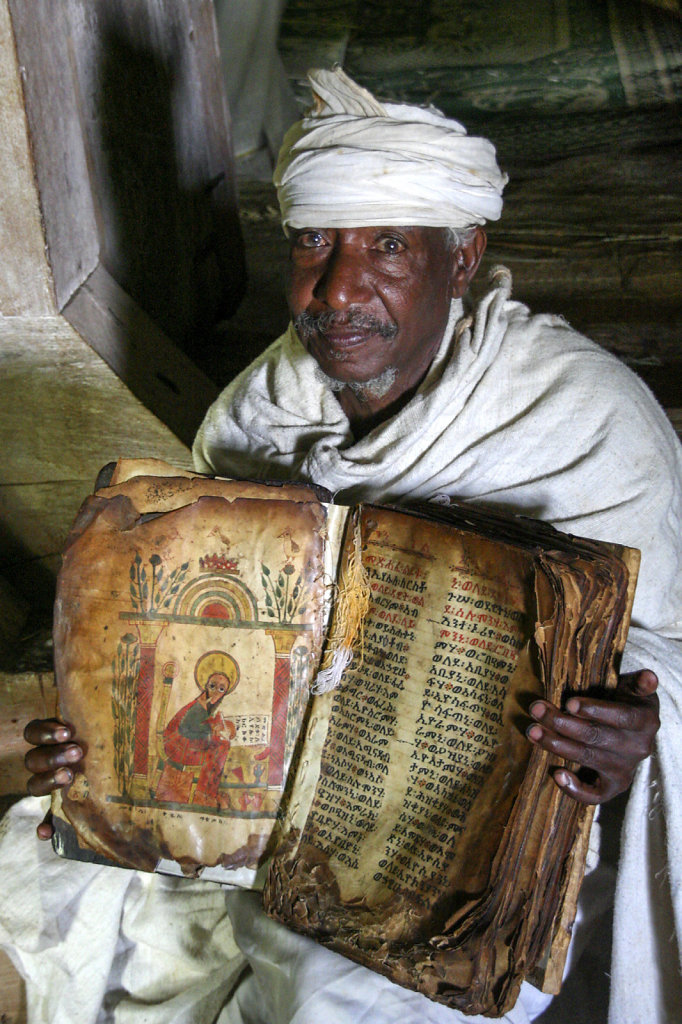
(397, 815)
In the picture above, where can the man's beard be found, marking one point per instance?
(375, 387)
(307, 325)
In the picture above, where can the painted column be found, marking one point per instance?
(284, 641)
(149, 633)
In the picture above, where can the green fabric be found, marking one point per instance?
(477, 59)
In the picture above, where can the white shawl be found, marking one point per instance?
(521, 412)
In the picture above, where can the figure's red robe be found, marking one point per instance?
(193, 749)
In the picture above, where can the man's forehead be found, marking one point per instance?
(367, 227)
(409, 230)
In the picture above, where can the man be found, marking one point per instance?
(386, 386)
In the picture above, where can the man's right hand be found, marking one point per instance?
(52, 760)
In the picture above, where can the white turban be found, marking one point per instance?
(355, 162)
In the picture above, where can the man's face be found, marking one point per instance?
(383, 294)
(217, 686)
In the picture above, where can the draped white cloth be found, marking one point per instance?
(354, 162)
(98, 944)
(517, 411)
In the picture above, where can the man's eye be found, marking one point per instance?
(310, 240)
(391, 245)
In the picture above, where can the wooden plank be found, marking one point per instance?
(57, 393)
(23, 697)
(43, 38)
(13, 998)
(25, 282)
(63, 415)
(155, 370)
(34, 522)
(600, 230)
(136, 171)
(13, 614)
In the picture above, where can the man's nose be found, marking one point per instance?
(344, 281)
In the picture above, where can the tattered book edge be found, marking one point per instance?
(67, 843)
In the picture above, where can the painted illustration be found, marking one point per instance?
(199, 626)
(197, 740)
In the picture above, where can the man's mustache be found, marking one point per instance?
(308, 324)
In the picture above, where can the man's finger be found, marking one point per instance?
(45, 829)
(584, 714)
(41, 785)
(616, 714)
(40, 760)
(42, 731)
(598, 758)
(583, 792)
(639, 684)
(595, 723)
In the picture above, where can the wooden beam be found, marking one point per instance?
(136, 184)
(63, 415)
(13, 993)
(156, 371)
(25, 281)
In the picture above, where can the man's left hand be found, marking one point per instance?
(607, 738)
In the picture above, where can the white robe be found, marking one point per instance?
(516, 411)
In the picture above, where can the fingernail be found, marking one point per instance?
(63, 775)
(573, 706)
(561, 777)
(62, 734)
(538, 709)
(534, 732)
(73, 753)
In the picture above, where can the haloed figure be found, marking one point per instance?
(196, 743)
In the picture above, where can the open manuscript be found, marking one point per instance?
(400, 818)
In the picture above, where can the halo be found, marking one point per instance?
(216, 661)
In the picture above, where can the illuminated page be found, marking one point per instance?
(188, 628)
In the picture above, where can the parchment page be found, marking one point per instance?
(186, 642)
(421, 756)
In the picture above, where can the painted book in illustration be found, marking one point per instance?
(402, 817)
